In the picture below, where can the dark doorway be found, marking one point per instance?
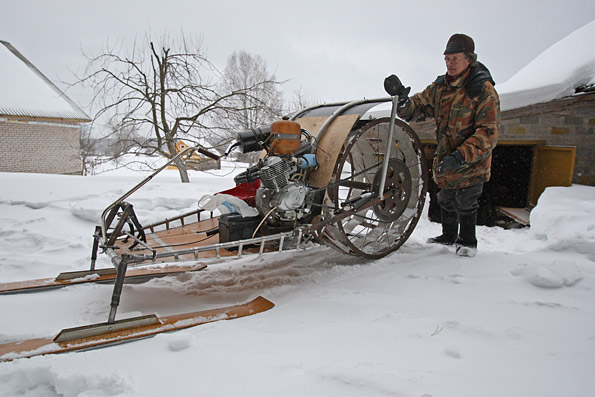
(508, 186)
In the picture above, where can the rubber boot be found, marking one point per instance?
(466, 243)
(450, 229)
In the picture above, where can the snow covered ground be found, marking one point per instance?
(517, 320)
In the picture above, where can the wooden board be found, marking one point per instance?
(330, 144)
(205, 225)
(521, 215)
(552, 166)
(186, 237)
(175, 239)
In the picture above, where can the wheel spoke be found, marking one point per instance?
(378, 230)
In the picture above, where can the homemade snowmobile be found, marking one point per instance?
(331, 174)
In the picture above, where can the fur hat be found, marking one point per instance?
(459, 42)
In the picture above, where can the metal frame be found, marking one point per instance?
(128, 216)
(121, 262)
(344, 107)
(144, 182)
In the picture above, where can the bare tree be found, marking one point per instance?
(299, 101)
(163, 92)
(245, 71)
(88, 149)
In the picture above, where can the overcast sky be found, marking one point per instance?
(331, 50)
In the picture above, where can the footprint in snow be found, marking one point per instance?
(177, 343)
(452, 352)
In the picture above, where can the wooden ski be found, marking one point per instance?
(96, 276)
(128, 330)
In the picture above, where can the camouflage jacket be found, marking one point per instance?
(467, 115)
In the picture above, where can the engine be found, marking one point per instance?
(277, 193)
(283, 196)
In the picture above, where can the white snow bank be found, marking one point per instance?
(565, 218)
(556, 275)
(43, 381)
(555, 73)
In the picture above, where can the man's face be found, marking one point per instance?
(456, 63)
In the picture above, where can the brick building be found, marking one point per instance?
(39, 124)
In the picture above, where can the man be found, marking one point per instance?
(466, 109)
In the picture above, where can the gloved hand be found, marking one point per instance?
(394, 87)
(451, 161)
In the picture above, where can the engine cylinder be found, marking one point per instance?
(275, 172)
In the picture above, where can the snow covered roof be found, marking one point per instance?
(25, 91)
(566, 68)
(555, 73)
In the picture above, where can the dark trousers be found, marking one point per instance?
(462, 201)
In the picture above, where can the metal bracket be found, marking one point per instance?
(89, 331)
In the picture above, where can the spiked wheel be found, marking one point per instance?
(378, 230)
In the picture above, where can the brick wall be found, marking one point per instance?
(39, 146)
(562, 122)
